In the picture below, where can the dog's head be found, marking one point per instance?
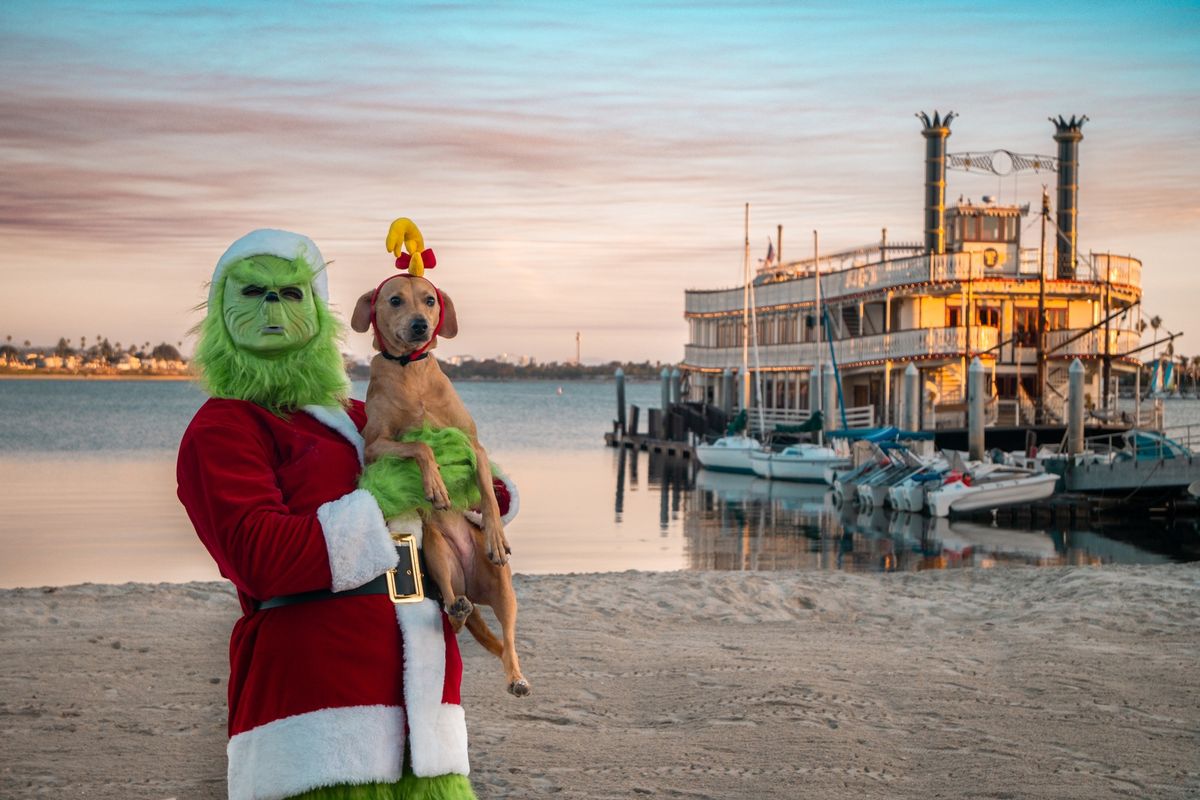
(407, 310)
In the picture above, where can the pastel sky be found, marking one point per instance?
(575, 166)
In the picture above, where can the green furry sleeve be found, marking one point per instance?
(396, 482)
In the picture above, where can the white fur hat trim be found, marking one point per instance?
(270, 242)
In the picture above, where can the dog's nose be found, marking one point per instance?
(271, 297)
(419, 327)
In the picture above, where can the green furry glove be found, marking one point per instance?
(396, 483)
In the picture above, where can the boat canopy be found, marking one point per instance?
(811, 425)
(888, 434)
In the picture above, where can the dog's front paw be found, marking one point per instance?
(498, 556)
(436, 493)
(519, 688)
(498, 550)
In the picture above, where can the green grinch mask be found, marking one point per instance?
(268, 305)
(269, 339)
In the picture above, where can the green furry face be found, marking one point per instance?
(281, 372)
(268, 305)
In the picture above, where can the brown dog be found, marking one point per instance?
(407, 390)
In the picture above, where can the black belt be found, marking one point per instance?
(404, 584)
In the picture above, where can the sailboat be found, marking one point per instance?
(803, 462)
(732, 452)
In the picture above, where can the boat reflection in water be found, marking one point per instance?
(731, 521)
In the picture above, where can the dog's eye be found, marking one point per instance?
(292, 293)
(429, 301)
(253, 291)
(394, 302)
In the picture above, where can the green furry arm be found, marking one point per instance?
(396, 482)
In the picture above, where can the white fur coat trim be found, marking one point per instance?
(438, 731)
(359, 744)
(357, 539)
(407, 525)
(335, 417)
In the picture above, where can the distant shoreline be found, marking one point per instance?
(77, 376)
(43, 376)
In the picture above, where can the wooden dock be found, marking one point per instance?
(634, 441)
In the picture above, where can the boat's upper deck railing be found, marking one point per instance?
(795, 287)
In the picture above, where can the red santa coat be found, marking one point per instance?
(328, 691)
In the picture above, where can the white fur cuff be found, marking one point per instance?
(292, 755)
(357, 539)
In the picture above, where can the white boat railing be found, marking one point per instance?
(799, 288)
(920, 342)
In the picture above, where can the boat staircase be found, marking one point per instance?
(1027, 404)
(851, 322)
(1057, 382)
(950, 384)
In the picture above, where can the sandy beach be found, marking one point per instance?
(1015, 683)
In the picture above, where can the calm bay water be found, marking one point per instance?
(87, 493)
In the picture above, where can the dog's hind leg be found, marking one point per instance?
(504, 605)
(446, 572)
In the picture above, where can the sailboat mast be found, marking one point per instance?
(820, 326)
(746, 316)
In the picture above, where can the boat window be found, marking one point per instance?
(990, 229)
(1010, 229)
(953, 316)
(987, 316)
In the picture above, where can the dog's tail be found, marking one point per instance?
(483, 634)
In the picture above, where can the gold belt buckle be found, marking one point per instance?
(406, 540)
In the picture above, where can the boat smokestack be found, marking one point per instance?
(935, 132)
(1068, 134)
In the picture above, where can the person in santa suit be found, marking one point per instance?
(334, 690)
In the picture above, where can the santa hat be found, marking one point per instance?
(269, 242)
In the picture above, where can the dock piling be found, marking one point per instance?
(912, 399)
(620, 375)
(831, 397)
(1075, 408)
(665, 379)
(975, 419)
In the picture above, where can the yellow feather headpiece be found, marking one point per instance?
(404, 235)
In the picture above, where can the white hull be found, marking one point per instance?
(797, 463)
(907, 496)
(958, 496)
(728, 454)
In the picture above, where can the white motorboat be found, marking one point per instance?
(873, 491)
(799, 462)
(909, 494)
(991, 486)
(728, 454)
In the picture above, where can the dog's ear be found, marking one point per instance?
(449, 318)
(361, 319)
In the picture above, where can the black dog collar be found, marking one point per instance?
(404, 360)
